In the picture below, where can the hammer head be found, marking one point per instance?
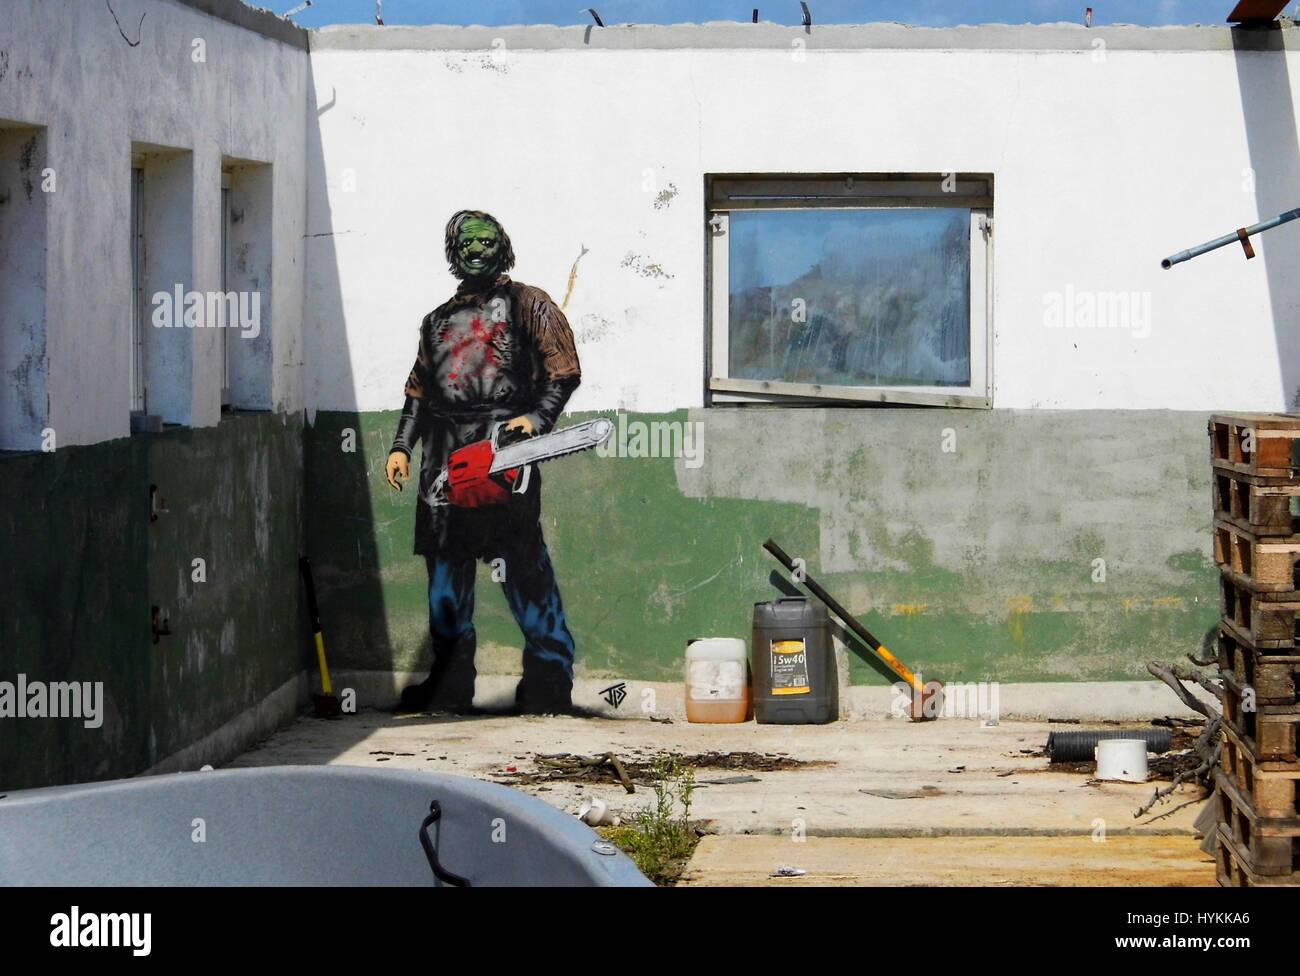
(326, 706)
(927, 703)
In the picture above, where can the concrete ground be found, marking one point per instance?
(951, 862)
(974, 805)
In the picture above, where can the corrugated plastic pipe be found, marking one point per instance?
(1079, 746)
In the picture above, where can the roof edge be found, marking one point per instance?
(256, 19)
(741, 36)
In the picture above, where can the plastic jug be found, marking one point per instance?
(717, 680)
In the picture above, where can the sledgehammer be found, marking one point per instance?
(920, 696)
(324, 705)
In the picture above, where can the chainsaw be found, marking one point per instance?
(488, 473)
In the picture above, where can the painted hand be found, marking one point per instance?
(521, 424)
(399, 466)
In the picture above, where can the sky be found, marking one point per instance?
(921, 13)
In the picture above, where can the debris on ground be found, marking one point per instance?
(566, 766)
(786, 871)
(1081, 746)
(1165, 767)
(1199, 763)
(659, 838)
(924, 791)
(631, 772)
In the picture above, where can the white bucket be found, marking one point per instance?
(1124, 760)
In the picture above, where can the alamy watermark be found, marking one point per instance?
(1082, 309)
(934, 699)
(656, 439)
(54, 699)
(76, 929)
(212, 310)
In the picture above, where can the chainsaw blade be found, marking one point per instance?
(558, 443)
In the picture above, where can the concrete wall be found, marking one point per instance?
(976, 562)
(1047, 546)
(84, 564)
(189, 86)
(64, 65)
(1065, 534)
(1105, 160)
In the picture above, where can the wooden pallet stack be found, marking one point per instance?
(1256, 468)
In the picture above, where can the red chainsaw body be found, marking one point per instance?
(470, 483)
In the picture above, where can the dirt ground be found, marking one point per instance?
(985, 798)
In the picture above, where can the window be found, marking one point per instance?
(137, 289)
(854, 288)
(25, 188)
(225, 289)
(162, 341)
(246, 284)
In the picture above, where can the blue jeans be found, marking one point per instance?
(534, 598)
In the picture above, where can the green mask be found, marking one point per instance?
(477, 250)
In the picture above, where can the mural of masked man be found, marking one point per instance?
(498, 352)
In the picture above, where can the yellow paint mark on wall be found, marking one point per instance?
(1167, 601)
(909, 609)
(1017, 608)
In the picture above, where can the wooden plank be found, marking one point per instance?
(1264, 509)
(1235, 870)
(1268, 847)
(1270, 786)
(1274, 676)
(1267, 421)
(1266, 732)
(1267, 563)
(1256, 444)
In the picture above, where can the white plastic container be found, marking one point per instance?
(717, 680)
(1124, 760)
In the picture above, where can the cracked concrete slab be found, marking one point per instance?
(975, 781)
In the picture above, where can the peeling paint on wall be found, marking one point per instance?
(643, 266)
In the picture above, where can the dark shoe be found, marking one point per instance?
(547, 691)
(424, 697)
(450, 684)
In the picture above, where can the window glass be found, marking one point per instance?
(850, 297)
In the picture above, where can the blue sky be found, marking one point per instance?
(928, 13)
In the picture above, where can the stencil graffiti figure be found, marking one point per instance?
(498, 356)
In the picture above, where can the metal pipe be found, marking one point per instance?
(1238, 235)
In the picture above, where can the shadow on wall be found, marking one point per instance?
(340, 532)
(1269, 113)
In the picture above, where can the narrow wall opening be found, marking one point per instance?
(163, 318)
(246, 255)
(24, 191)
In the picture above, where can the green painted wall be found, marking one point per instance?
(83, 564)
(975, 563)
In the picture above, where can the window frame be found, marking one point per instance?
(139, 393)
(725, 194)
(224, 245)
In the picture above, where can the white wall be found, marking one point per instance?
(67, 67)
(1102, 168)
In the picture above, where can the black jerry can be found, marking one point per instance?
(793, 663)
